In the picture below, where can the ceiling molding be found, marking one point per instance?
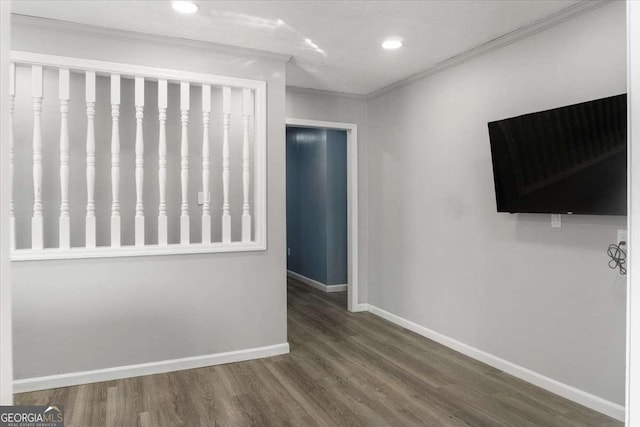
(521, 33)
(310, 91)
(112, 33)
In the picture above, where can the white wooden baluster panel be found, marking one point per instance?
(90, 99)
(12, 96)
(206, 204)
(64, 222)
(247, 113)
(253, 122)
(115, 160)
(184, 164)
(139, 219)
(37, 241)
(226, 123)
(162, 163)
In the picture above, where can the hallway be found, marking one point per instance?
(344, 369)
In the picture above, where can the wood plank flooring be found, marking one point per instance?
(344, 369)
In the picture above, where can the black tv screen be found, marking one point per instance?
(571, 159)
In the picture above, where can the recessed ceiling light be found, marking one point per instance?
(184, 6)
(391, 44)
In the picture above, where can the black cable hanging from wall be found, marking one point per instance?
(618, 257)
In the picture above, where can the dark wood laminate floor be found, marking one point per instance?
(344, 369)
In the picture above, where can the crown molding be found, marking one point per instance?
(311, 91)
(521, 33)
(18, 20)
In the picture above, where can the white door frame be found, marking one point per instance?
(633, 217)
(352, 199)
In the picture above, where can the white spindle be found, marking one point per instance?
(37, 241)
(115, 160)
(64, 222)
(162, 162)
(206, 204)
(184, 164)
(12, 96)
(226, 123)
(139, 219)
(247, 112)
(90, 99)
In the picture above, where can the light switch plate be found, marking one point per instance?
(556, 221)
(201, 197)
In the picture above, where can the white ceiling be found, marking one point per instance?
(335, 45)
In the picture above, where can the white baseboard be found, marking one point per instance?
(362, 307)
(163, 366)
(586, 399)
(315, 283)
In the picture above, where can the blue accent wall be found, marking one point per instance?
(317, 204)
(336, 207)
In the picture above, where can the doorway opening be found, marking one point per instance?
(322, 206)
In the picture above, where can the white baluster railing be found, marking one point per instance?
(162, 163)
(184, 163)
(115, 160)
(252, 192)
(64, 222)
(226, 123)
(90, 99)
(37, 232)
(139, 219)
(206, 202)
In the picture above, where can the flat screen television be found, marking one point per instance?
(568, 160)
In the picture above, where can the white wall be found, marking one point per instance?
(72, 316)
(321, 106)
(441, 256)
(6, 364)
